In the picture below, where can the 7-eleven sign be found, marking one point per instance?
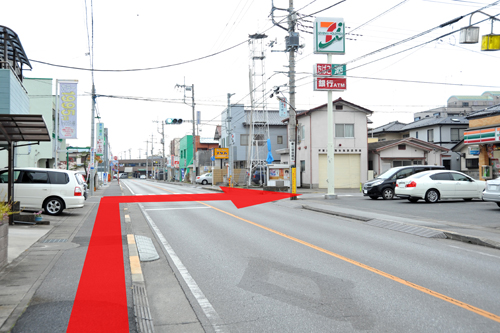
(329, 35)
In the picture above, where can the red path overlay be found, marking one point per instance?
(101, 299)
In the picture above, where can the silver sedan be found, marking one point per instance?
(492, 191)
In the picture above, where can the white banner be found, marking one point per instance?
(67, 110)
(99, 151)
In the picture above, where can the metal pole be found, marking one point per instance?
(194, 139)
(330, 145)
(92, 128)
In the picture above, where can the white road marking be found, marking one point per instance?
(484, 254)
(177, 208)
(212, 315)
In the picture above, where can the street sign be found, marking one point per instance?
(329, 83)
(221, 153)
(292, 152)
(326, 70)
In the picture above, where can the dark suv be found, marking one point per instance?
(259, 176)
(383, 186)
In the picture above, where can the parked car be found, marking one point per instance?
(123, 176)
(492, 191)
(442, 184)
(143, 177)
(384, 184)
(51, 189)
(259, 176)
(81, 181)
(204, 179)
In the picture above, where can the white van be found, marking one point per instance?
(51, 189)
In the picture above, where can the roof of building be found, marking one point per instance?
(471, 97)
(381, 145)
(9, 41)
(273, 116)
(337, 101)
(394, 126)
(431, 121)
(208, 140)
(488, 112)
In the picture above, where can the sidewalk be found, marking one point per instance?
(38, 285)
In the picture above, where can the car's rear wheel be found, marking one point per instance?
(204, 182)
(498, 204)
(374, 197)
(387, 193)
(413, 199)
(53, 206)
(432, 196)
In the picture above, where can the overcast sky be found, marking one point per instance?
(153, 33)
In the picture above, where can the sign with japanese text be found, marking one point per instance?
(221, 153)
(329, 83)
(282, 107)
(329, 35)
(67, 110)
(329, 70)
(99, 151)
(176, 162)
(292, 152)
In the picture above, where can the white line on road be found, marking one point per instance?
(206, 306)
(177, 208)
(484, 254)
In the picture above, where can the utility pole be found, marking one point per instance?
(147, 172)
(140, 149)
(191, 88)
(230, 139)
(292, 121)
(163, 145)
(92, 136)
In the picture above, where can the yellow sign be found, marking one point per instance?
(221, 153)
(294, 181)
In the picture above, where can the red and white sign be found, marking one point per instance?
(323, 70)
(115, 158)
(329, 83)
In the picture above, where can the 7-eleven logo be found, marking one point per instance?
(329, 35)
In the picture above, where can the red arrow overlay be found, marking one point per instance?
(101, 300)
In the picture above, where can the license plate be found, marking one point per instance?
(492, 187)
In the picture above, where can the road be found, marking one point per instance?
(279, 268)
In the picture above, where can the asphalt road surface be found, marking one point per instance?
(278, 268)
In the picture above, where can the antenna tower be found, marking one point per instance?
(258, 116)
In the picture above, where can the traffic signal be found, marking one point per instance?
(173, 121)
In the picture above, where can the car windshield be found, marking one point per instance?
(388, 174)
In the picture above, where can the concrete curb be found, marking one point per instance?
(449, 235)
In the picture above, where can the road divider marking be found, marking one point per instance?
(177, 208)
(207, 308)
(430, 292)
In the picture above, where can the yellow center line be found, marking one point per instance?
(371, 269)
(448, 299)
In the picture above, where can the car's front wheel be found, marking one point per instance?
(432, 196)
(204, 182)
(53, 206)
(498, 204)
(388, 193)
